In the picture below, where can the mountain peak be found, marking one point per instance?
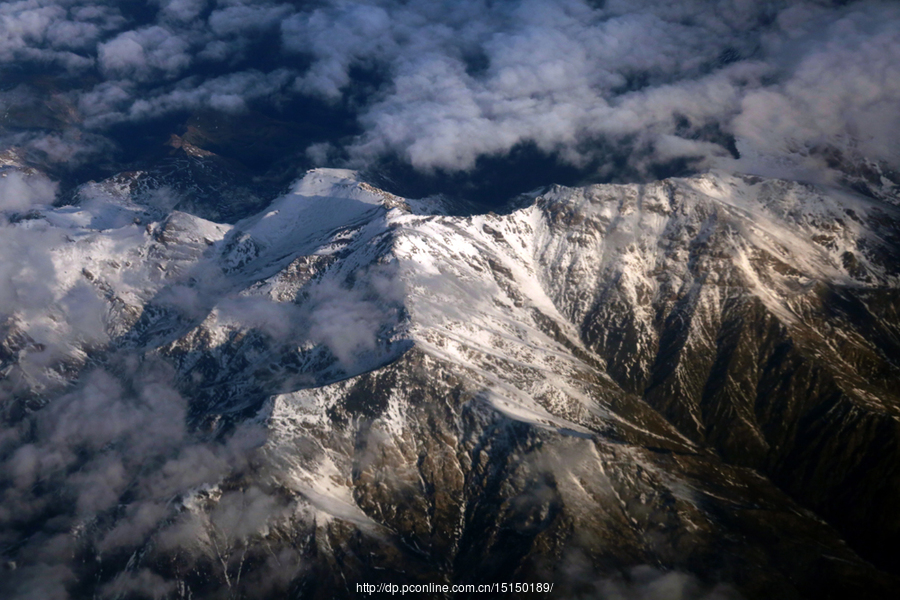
(587, 367)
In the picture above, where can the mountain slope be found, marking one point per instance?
(683, 384)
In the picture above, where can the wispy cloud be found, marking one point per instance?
(117, 450)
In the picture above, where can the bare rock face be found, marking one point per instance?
(684, 386)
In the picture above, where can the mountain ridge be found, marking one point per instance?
(673, 374)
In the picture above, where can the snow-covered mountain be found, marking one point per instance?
(680, 387)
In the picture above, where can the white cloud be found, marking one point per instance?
(843, 91)
(181, 10)
(144, 54)
(562, 75)
(20, 190)
(446, 83)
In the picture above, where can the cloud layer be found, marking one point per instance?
(440, 85)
